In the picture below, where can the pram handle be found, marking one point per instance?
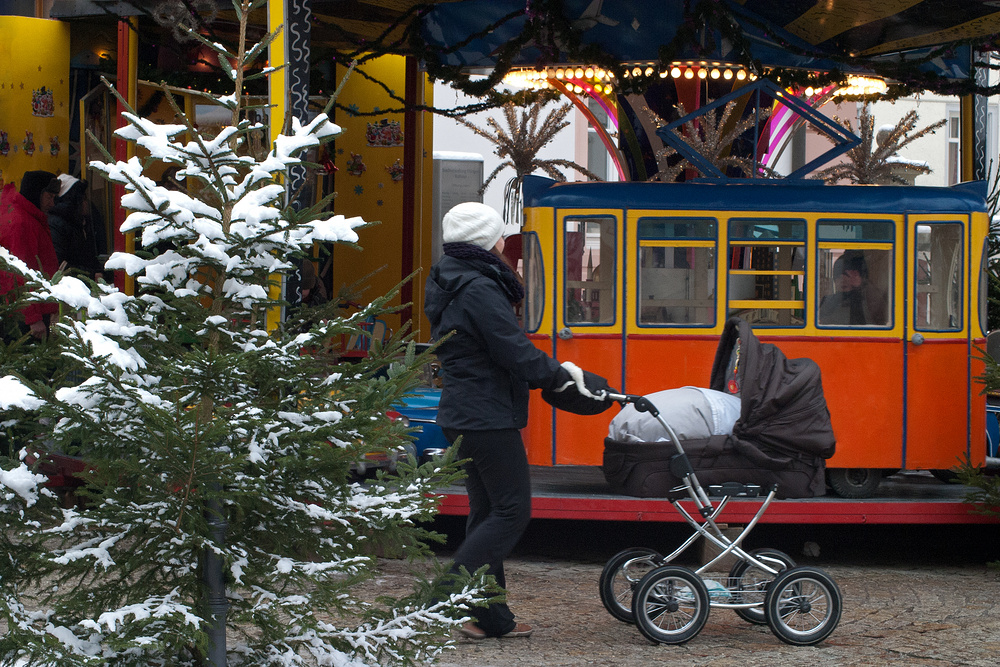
(641, 403)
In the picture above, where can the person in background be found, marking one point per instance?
(488, 365)
(312, 289)
(73, 235)
(24, 231)
(304, 289)
(856, 302)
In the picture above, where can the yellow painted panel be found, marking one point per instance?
(827, 20)
(979, 27)
(369, 159)
(766, 303)
(34, 96)
(276, 92)
(276, 58)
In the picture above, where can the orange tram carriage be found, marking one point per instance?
(883, 287)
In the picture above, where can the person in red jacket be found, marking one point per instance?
(24, 231)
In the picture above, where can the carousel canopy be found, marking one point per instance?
(923, 44)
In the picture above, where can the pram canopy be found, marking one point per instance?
(783, 435)
(783, 409)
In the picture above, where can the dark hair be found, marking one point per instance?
(852, 260)
(510, 265)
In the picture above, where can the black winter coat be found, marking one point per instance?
(75, 243)
(489, 364)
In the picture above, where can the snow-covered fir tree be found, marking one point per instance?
(212, 445)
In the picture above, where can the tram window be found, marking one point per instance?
(534, 281)
(939, 271)
(677, 271)
(854, 287)
(856, 230)
(767, 271)
(589, 270)
(854, 284)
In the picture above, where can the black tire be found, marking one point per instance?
(854, 482)
(803, 606)
(670, 605)
(749, 582)
(620, 577)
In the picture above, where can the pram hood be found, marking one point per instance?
(783, 410)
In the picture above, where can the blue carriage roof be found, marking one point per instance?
(756, 195)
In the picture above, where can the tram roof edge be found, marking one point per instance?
(755, 195)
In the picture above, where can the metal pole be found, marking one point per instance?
(297, 49)
(215, 584)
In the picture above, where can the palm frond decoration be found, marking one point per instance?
(711, 135)
(871, 161)
(518, 145)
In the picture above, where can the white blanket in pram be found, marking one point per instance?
(693, 413)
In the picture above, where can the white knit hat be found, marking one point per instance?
(474, 223)
(66, 182)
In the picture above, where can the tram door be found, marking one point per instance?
(938, 382)
(588, 323)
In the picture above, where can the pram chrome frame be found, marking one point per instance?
(769, 608)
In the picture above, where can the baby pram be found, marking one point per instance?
(783, 434)
(670, 603)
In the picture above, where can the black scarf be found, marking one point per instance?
(490, 266)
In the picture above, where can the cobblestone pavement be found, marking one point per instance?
(923, 615)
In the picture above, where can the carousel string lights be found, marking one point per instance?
(602, 79)
(862, 85)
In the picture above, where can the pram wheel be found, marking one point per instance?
(803, 606)
(670, 605)
(749, 582)
(620, 577)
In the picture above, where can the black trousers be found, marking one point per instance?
(499, 488)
